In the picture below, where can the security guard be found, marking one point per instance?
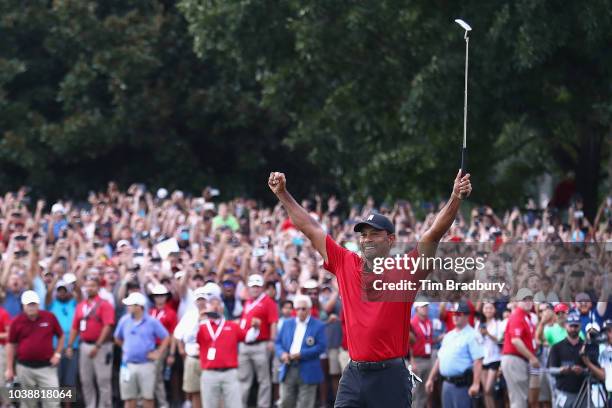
(459, 363)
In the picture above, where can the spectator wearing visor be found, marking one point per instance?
(459, 362)
(93, 323)
(185, 338)
(31, 342)
(232, 306)
(61, 300)
(566, 365)
(167, 317)
(254, 356)
(137, 334)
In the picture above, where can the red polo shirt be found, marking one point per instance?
(265, 309)
(166, 316)
(34, 338)
(226, 345)
(95, 320)
(519, 326)
(5, 321)
(375, 330)
(423, 333)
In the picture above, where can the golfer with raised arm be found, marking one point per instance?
(377, 332)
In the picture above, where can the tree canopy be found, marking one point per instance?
(356, 98)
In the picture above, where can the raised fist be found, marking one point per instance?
(277, 182)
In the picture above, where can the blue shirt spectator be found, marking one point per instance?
(459, 351)
(139, 337)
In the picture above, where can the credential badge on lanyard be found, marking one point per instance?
(86, 312)
(212, 350)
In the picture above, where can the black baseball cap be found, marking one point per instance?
(377, 221)
(462, 307)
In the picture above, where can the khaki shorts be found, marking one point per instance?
(191, 375)
(333, 355)
(141, 382)
(534, 380)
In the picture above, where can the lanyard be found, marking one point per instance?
(215, 335)
(426, 329)
(252, 305)
(88, 309)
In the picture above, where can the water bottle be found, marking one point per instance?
(167, 373)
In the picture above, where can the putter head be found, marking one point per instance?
(463, 24)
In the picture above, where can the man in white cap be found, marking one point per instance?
(31, 341)
(137, 335)
(254, 357)
(185, 338)
(421, 349)
(167, 317)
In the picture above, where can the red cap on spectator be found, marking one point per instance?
(561, 307)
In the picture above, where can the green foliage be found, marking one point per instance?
(375, 88)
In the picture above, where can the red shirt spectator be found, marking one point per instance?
(166, 316)
(5, 321)
(91, 316)
(423, 333)
(519, 326)
(34, 338)
(225, 344)
(265, 309)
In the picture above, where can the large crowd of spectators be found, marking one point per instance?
(167, 246)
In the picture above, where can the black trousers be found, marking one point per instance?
(390, 387)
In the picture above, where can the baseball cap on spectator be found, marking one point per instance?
(573, 319)
(377, 221)
(583, 297)
(310, 284)
(122, 243)
(561, 308)
(69, 278)
(462, 307)
(162, 193)
(212, 289)
(523, 293)
(62, 284)
(255, 280)
(228, 282)
(421, 304)
(159, 290)
(29, 296)
(58, 208)
(607, 324)
(135, 298)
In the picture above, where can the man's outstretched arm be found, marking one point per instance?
(299, 216)
(443, 221)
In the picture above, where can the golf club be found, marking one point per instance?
(467, 29)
